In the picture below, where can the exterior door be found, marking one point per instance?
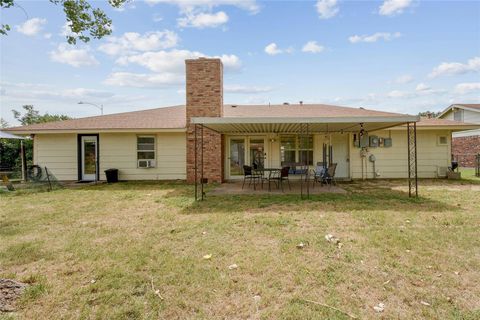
(245, 151)
(89, 152)
(236, 159)
(257, 152)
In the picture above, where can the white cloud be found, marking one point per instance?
(203, 20)
(468, 87)
(123, 7)
(189, 5)
(45, 92)
(66, 30)
(174, 60)
(453, 68)
(393, 7)
(131, 42)
(230, 62)
(198, 13)
(168, 68)
(32, 27)
(74, 57)
(312, 47)
(327, 8)
(421, 90)
(142, 80)
(422, 87)
(397, 94)
(403, 79)
(246, 89)
(387, 36)
(272, 49)
(161, 61)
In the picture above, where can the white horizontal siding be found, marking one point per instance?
(119, 150)
(471, 116)
(393, 162)
(57, 152)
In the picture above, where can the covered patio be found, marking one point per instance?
(357, 127)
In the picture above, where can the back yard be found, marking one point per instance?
(147, 251)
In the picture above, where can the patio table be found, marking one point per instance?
(271, 171)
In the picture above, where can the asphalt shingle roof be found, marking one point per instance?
(175, 117)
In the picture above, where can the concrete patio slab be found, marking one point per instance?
(233, 188)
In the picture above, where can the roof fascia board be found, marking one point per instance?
(245, 120)
(459, 106)
(53, 131)
(453, 128)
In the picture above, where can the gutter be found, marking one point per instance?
(58, 131)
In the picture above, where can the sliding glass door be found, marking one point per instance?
(245, 151)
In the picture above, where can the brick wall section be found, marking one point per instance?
(204, 89)
(464, 150)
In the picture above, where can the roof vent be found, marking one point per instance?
(286, 103)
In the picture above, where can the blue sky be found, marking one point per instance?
(394, 55)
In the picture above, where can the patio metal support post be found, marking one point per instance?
(195, 165)
(24, 161)
(307, 172)
(301, 179)
(412, 160)
(304, 131)
(201, 176)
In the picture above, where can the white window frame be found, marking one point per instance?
(460, 112)
(439, 140)
(297, 148)
(154, 150)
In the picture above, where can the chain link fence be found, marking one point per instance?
(38, 178)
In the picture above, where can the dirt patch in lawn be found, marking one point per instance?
(10, 292)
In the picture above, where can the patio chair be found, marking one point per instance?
(248, 174)
(329, 176)
(279, 177)
(318, 173)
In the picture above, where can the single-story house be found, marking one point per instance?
(465, 144)
(159, 144)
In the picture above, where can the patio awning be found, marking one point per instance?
(6, 135)
(293, 125)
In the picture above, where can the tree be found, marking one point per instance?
(10, 149)
(4, 123)
(85, 21)
(32, 116)
(429, 114)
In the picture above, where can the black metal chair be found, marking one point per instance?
(329, 176)
(279, 177)
(248, 174)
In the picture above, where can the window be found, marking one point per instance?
(458, 115)
(146, 151)
(442, 140)
(296, 149)
(288, 145)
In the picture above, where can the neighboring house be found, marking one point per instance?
(465, 144)
(159, 144)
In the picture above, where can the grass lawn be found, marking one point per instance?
(94, 253)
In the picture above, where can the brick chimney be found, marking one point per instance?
(204, 89)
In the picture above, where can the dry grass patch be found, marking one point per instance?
(93, 252)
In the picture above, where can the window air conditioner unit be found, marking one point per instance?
(146, 163)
